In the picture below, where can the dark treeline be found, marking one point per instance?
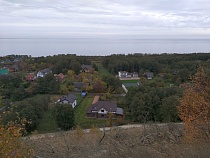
(156, 104)
(30, 109)
(59, 63)
(181, 65)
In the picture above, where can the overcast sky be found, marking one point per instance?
(100, 18)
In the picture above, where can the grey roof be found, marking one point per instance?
(119, 111)
(131, 84)
(108, 106)
(45, 71)
(123, 71)
(132, 73)
(70, 98)
(78, 84)
(149, 74)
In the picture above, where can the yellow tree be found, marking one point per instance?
(71, 74)
(109, 119)
(195, 108)
(11, 144)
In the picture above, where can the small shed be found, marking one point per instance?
(4, 71)
(84, 94)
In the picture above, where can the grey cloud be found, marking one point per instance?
(109, 16)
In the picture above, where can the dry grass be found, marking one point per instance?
(151, 141)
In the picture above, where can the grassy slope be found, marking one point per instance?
(148, 141)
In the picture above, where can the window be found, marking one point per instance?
(102, 110)
(102, 115)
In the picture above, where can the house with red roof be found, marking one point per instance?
(30, 77)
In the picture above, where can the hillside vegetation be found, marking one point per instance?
(147, 141)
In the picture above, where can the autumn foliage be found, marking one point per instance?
(11, 143)
(195, 108)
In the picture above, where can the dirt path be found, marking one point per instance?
(51, 135)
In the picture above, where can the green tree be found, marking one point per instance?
(112, 82)
(64, 115)
(31, 109)
(141, 109)
(19, 94)
(95, 67)
(47, 85)
(1, 102)
(168, 109)
(75, 66)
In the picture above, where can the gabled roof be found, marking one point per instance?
(45, 71)
(30, 77)
(108, 106)
(60, 75)
(132, 73)
(149, 74)
(70, 98)
(78, 84)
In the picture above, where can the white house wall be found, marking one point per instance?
(39, 74)
(74, 104)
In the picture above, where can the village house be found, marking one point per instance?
(122, 74)
(148, 75)
(86, 68)
(59, 77)
(44, 72)
(13, 68)
(30, 77)
(125, 74)
(68, 99)
(101, 109)
(79, 86)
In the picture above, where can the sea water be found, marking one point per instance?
(100, 46)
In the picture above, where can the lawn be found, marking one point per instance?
(101, 70)
(129, 81)
(79, 98)
(80, 114)
(48, 123)
(156, 80)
